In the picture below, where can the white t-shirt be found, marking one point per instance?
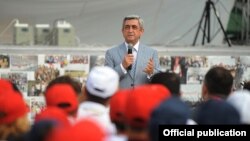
(98, 112)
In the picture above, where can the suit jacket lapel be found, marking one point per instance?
(122, 51)
(141, 51)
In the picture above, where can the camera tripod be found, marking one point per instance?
(206, 29)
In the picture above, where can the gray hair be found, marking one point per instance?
(132, 17)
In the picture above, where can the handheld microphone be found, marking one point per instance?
(130, 52)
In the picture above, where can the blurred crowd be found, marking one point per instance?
(100, 111)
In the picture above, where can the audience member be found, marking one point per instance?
(64, 97)
(218, 83)
(117, 110)
(172, 111)
(7, 85)
(53, 113)
(65, 79)
(84, 130)
(216, 112)
(140, 103)
(170, 80)
(40, 130)
(101, 85)
(13, 116)
(240, 99)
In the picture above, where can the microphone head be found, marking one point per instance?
(130, 46)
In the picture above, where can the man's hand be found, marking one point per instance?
(150, 67)
(128, 60)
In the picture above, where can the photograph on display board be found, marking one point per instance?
(43, 75)
(4, 61)
(197, 66)
(244, 60)
(35, 88)
(179, 66)
(18, 78)
(228, 62)
(97, 60)
(197, 61)
(196, 75)
(79, 59)
(80, 76)
(165, 63)
(37, 105)
(246, 74)
(78, 62)
(57, 59)
(191, 92)
(23, 62)
(241, 72)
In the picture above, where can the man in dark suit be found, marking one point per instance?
(135, 68)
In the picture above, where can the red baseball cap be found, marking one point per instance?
(12, 106)
(53, 113)
(118, 105)
(63, 96)
(5, 85)
(84, 130)
(141, 102)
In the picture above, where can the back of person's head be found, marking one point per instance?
(216, 112)
(169, 79)
(117, 109)
(13, 115)
(240, 99)
(218, 82)
(62, 96)
(6, 85)
(172, 111)
(65, 79)
(140, 103)
(40, 130)
(53, 113)
(84, 130)
(102, 83)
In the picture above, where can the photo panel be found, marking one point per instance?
(96, 60)
(19, 79)
(23, 62)
(4, 61)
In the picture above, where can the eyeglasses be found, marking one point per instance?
(134, 27)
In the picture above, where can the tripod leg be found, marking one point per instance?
(200, 22)
(204, 30)
(221, 24)
(206, 25)
(208, 21)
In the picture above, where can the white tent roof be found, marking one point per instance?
(167, 22)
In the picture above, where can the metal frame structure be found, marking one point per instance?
(206, 29)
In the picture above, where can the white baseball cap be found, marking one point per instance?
(102, 81)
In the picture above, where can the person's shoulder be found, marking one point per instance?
(149, 48)
(115, 48)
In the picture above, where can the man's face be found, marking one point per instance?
(132, 31)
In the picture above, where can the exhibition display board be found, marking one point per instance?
(31, 68)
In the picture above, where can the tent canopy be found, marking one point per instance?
(98, 22)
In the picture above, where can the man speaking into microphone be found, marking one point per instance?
(133, 61)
